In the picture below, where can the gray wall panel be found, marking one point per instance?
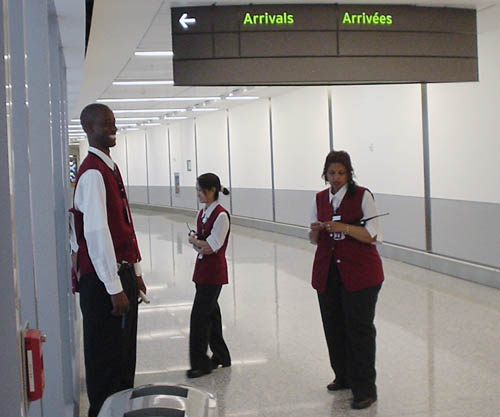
(406, 223)
(186, 198)
(294, 207)
(253, 202)
(138, 193)
(159, 195)
(466, 230)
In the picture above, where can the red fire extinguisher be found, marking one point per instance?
(33, 340)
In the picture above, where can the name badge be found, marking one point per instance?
(337, 235)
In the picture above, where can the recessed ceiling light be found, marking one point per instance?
(131, 100)
(154, 53)
(147, 111)
(204, 109)
(242, 98)
(152, 124)
(124, 119)
(175, 117)
(165, 82)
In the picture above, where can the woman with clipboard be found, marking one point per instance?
(347, 275)
(210, 273)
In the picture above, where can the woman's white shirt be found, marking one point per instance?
(368, 208)
(220, 228)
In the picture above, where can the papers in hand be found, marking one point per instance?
(143, 297)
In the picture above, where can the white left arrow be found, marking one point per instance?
(185, 21)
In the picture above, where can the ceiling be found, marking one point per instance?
(122, 27)
(71, 18)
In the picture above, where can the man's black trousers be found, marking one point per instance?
(206, 329)
(350, 333)
(109, 342)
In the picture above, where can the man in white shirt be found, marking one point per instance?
(108, 261)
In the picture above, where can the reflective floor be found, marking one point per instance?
(438, 336)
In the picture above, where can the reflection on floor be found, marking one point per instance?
(438, 337)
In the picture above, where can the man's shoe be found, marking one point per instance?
(196, 373)
(360, 403)
(215, 363)
(337, 386)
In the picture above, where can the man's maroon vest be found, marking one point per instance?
(211, 269)
(118, 211)
(358, 263)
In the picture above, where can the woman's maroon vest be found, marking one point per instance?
(211, 269)
(118, 211)
(358, 263)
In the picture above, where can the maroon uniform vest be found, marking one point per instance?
(119, 218)
(211, 269)
(358, 263)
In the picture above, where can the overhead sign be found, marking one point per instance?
(323, 44)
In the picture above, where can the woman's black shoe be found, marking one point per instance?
(360, 403)
(337, 386)
(196, 373)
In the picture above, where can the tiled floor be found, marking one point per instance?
(438, 337)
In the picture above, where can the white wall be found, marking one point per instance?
(465, 124)
(136, 158)
(381, 128)
(119, 155)
(137, 163)
(301, 138)
(250, 145)
(158, 162)
(211, 131)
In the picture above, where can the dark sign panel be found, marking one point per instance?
(323, 44)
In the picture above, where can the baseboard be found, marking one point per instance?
(468, 271)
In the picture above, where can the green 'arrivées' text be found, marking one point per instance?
(366, 19)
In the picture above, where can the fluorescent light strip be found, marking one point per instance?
(204, 109)
(175, 117)
(147, 111)
(152, 124)
(132, 128)
(154, 53)
(143, 82)
(124, 119)
(132, 100)
(242, 98)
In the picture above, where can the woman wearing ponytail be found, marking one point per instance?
(210, 274)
